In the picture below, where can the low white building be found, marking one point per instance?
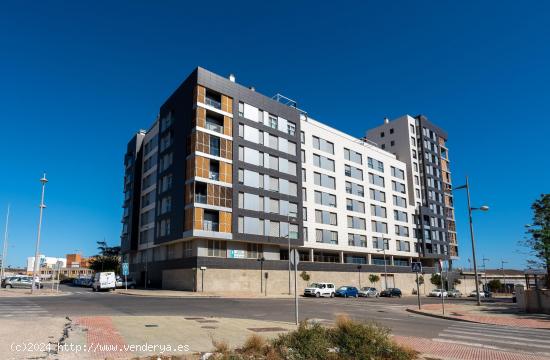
(45, 262)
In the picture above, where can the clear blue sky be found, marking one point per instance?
(78, 78)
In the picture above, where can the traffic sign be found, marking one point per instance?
(416, 267)
(294, 257)
(125, 269)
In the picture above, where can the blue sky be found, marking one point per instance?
(78, 78)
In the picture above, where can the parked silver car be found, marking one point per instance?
(120, 284)
(368, 292)
(21, 282)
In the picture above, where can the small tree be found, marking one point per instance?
(305, 276)
(373, 278)
(435, 279)
(420, 280)
(538, 232)
(494, 285)
(108, 258)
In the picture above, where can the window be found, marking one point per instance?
(274, 163)
(356, 223)
(291, 128)
(413, 141)
(322, 144)
(273, 184)
(304, 213)
(392, 143)
(274, 228)
(303, 175)
(412, 128)
(166, 122)
(323, 162)
(164, 228)
(302, 137)
(391, 131)
(166, 205)
(397, 186)
(398, 173)
(353, 156)
(377, 195)
(326, 217)
(273, 122)
(166, 141)
(401, 230)
(355, 189)
(274, 206)
(325, 199)
(326, 236)
(324, 180)
(273, 142)
(165, 161)
(400, 216)
(165, 183)
(355, 205)
(382, 134)
(241, 109)
(377, 210)
(378, 226)
(375, 164)
(357, 240)
(214, 146)
(303, 155)
(291, 148)
(353, 172)
(376, 179)
(379, 243)
(217, 248)
(304, 194)
(399, 201)
(401, 245)
(414, 154)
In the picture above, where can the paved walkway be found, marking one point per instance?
(495, 314)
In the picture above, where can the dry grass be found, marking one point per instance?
(254, 344)
(221, 346)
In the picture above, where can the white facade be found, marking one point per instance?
(400, 247)
(45, 262)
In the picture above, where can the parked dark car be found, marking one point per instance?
(391, 292)
(347, 291)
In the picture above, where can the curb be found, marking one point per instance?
(445, 317)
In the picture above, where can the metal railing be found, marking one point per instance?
(214, 127)
(214, 103)
(210, 225)
(200, 198)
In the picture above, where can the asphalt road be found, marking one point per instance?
(388, 312)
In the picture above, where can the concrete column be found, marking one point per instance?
(341, 257)
(391, 260)
(311, 254)
(410, 260)
(369, 259)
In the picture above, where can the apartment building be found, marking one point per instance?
(226, 180)
(421, 145)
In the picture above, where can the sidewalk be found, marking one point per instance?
(493, 314)
(27, 293)
(191, 294)
(100, 337)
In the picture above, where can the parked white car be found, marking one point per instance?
(104, 281)
(437, 293)
(320, 289)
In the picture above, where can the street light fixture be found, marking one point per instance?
(37, 251)
(470, 209)
(385, 265)
(261, 260)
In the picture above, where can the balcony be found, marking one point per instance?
(358, 243)
(200, 198)
(210, 225)
(212, 102)
(214, 176)
(214, 125)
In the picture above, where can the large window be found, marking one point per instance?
(353, 156)
(355, 189)
(379, 243)
(322, 144)
(326, 236)
(326, 217)
(355, 222)
(324, 180)
(398, 173)
(325, 199)
(217, 248)
(401, 230)
(399, 201)
(400, 216)
(354, 172)
(377, 210)
(355, 205)
(323, 162)
(377, 195)
(376, 179)
(379, 226)
(375, 164)
(398, 187)
(401, 245)
(357, 240)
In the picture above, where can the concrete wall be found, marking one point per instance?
(229, 280)
(536, 301)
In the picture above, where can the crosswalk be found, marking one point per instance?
(497, 337)
(17, 308)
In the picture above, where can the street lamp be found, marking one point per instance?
(261, 260)
(385, 265)
(470, 209)
(37, 251)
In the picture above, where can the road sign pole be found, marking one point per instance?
(126, 282)
(418, 291)
(296, 289)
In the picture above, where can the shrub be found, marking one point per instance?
(308, 342)
(305, 276)
(254, 344)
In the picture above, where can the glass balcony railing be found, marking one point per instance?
(214, 127)
(200, 198)
(210, 226)
(214, 176)
(214, 103)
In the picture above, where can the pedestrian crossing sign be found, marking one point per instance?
(416, 267)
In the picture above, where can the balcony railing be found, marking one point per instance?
(214, 127)
(210, 225)
(200, 198)
(214, 103)
(358, 243)
(214, 176)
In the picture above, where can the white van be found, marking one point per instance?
(104, 281)
(320, 289)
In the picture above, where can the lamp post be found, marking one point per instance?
(502, 262)
(261, 260)
(37, 251)
(385, 265)
(5, 245)
(470, 209)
